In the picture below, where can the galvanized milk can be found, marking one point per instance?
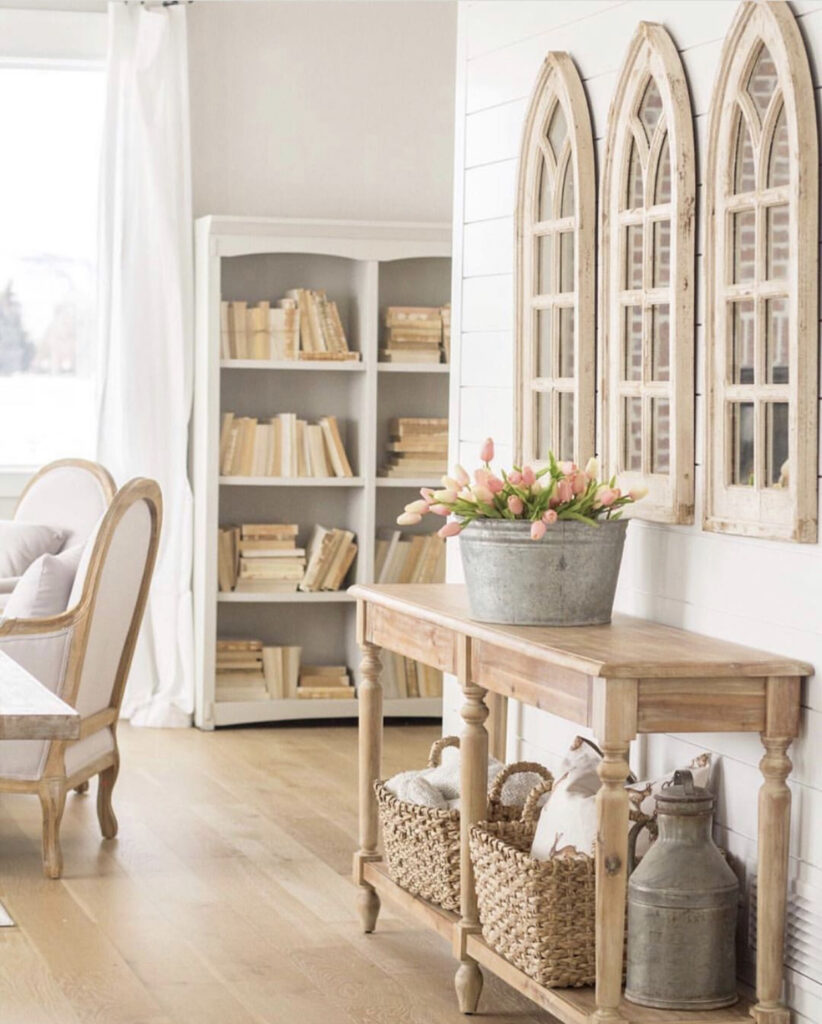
(682, 908)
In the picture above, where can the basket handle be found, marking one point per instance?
(530, 812)
(495, 792)
(578, 740)
(437, 747)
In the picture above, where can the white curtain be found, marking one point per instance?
(146, 323)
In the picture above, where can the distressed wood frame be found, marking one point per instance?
(558, 82)
(781, 513)
(651, 54)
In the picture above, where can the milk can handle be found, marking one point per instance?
(683, 778)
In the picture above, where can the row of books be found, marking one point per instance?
(259, 558)
(417, 334)
(285, 446)
(403, 558)
(418, 447)
(304, 325)
(263, 558)
(250, 670)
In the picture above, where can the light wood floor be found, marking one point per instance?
(226, 898)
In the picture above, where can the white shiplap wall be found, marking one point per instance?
(765, 594)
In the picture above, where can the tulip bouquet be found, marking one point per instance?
(541, 494)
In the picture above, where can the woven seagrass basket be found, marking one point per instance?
(539, 915)
(421, 845)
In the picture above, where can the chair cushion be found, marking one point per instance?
(21, 543)
(82, 568)
(45, 586)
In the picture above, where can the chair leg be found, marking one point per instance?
(82, 788)
(105, 787)
(52, 800)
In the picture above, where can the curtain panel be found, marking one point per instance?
(145, 320)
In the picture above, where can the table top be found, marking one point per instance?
(30, 711)
(627, 648)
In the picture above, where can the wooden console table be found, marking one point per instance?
(620, 680)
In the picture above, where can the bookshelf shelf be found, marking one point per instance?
(318, 366)
(295, 597)
(296, 481)
(243, 711)
(364, 268)
(414, 368)
(408, 483)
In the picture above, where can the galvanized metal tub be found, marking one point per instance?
(566, 579)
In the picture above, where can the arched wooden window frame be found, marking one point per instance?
(789, 511)
(557, 84)
(670, 499)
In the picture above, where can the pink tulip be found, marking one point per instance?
(449, 530)
(528, 476)
(427, 493)
(419, 506)
(564, 491)
(515, 505)
(515, 477)
(461, 476)
(447, 496)
(440, 510)
(487, 450)
(466, 494)
(606, 496)
(451, 483)
(482, 476)
(579, 483)
(549, 517)
(568, 467)
(495, 485)
(483, 494)
(409, 519)
(537, 530)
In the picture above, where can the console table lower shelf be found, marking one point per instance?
(570, 1005)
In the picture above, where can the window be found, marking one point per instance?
(52, 125)
(761, 283)
(555, 270)
(647, 239)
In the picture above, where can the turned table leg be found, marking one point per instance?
(615, 704)
(473, 808)
(774, 837)
(369, 697)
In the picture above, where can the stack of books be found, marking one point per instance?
(325, 682)
(418, 447)
(248, 670)
(260, 558)
(305, 325)
(282, 447)
(281, 667)
(413, 334)
(239, 672)
(409, 559)
(331, 553)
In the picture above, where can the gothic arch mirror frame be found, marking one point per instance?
(647, 212)
(555, 270)
(761, 283)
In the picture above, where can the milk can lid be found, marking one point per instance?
(679, 795)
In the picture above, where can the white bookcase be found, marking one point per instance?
(364, 267)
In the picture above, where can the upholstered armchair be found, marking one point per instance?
(69, 495)
(84, 655)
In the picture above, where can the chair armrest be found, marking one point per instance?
(43, 653)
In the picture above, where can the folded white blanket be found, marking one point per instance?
(446, 776)
(415, 789)
(518, 786)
